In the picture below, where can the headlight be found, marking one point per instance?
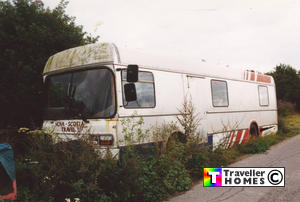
(105, 140)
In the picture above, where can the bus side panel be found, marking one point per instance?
(244, 108)
(169, 97)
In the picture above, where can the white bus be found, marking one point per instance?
(89, 91)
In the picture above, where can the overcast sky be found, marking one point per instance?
(253, 34)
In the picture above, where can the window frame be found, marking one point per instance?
(212, 97)
(259, 99)
(123, 93)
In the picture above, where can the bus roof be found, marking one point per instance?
(174, 62)
(81, 56)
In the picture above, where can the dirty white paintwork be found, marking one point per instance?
(174, 79)
(83, 55)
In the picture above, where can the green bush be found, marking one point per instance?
(197, 161)
(73, 170)
(50, 171)
(152, 187)
(53, 172)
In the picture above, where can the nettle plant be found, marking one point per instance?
(132, 129)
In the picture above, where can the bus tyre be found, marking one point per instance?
(254, 131)
(176, 138)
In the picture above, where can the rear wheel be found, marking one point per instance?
(254, 131)
(175, 138)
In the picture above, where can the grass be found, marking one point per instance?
(292, 123)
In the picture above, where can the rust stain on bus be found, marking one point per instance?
(108, 123)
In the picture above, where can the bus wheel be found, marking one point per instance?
(176, 138)
(254, 131)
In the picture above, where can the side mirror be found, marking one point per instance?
(130, 92)
(132, 73)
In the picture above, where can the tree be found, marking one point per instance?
(29, 34)
(287, 84)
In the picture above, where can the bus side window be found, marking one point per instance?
(219, 93)
(263, 95)
(145, 91)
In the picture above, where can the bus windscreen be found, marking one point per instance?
(84, 94)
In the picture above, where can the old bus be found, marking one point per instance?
(89, 91)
